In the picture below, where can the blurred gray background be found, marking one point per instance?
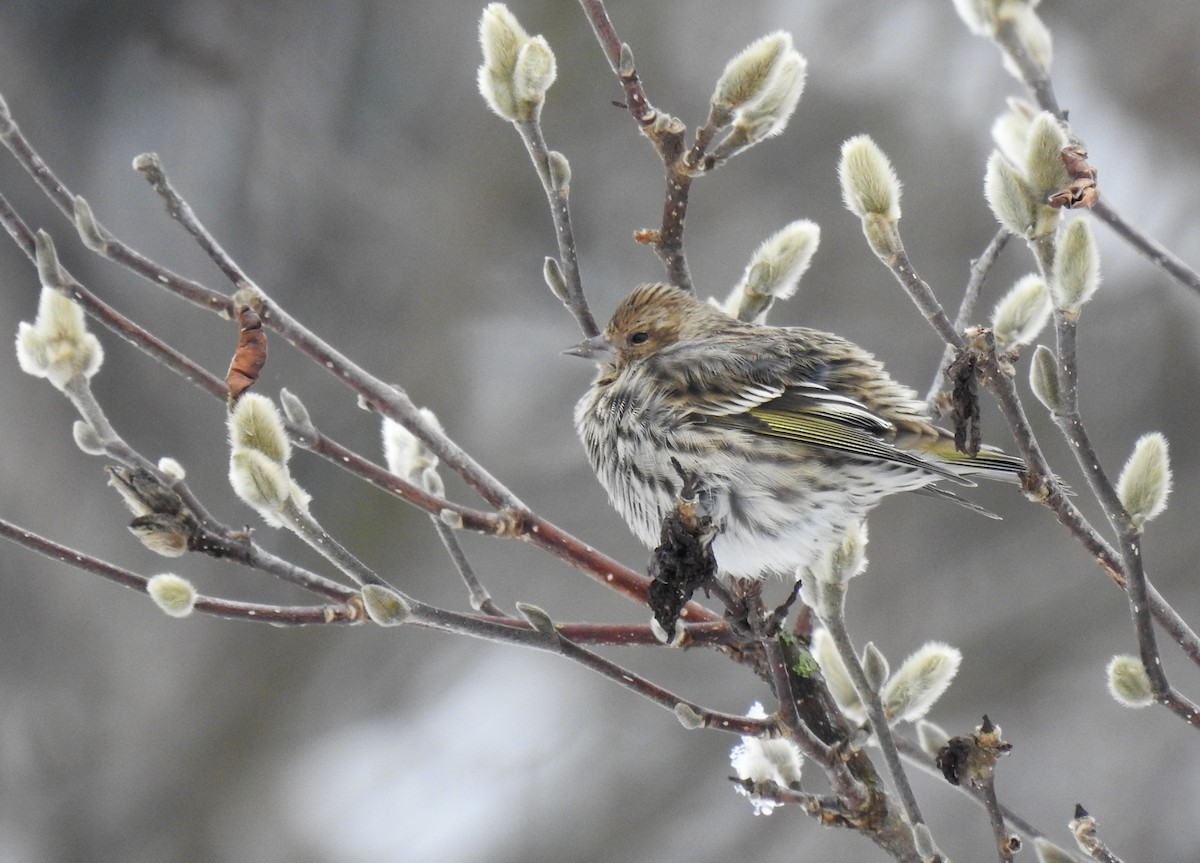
(343, 156)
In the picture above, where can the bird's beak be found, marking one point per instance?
(596, 348)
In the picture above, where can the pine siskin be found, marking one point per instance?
(792, 434)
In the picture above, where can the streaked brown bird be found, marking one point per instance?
(791, 434)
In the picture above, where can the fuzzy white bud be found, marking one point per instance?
(1044, 166)
(517, 69)
(256, 424)
(1043, 379)
(1076, 267)
(769, 114)
(173, 595)
(1128, 682)
(1145, 481)
(774, 270)
(869, 183)
(837, 678)
(748, 74)
(1021, 313)
(920, 682)
(1013, 202)
(57, 345)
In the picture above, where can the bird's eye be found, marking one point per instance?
(639, 338)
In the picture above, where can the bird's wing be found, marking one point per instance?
(815, 416)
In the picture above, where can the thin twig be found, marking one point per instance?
(665, 132)
(916, 756)
(558, 197)
(481, 600)
(991, 804)
(1069, 421)
(280, 615)
(833, 616)
(980, 267)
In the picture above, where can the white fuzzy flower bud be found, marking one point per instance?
(920, 682)
(1010, 131)
(768, 115)
(1076, 267)
(837, 678)
(869, 183)
(1021, 313)
(407, 457)
(1043, 379)
(1145, 481)
(774, 271)
(535, 70)
(1128, 682)
(517, 69)
(1013, 202)
(1044, 166)
(260, 481)
(57, 345)
(748, 74)
(174, 595)
(256, 424)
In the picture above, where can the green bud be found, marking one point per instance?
(1043, 158)
(173, 595)
(537, 618)
(1043, 379)
(931, 737)
(747, 75)
(294, 409)
(923, 842)
(688, 717)
(1128, 682)
(1145, 481)
(384, 606)
(869, 183)
(553, 274)
(920, 682)
(625, 64)
(560, 172)
(87, 438)
(1013, 202)
(874, 665)
(1076, 267)
(93, 236)
(1021, 313)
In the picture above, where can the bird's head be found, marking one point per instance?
(650, 319)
